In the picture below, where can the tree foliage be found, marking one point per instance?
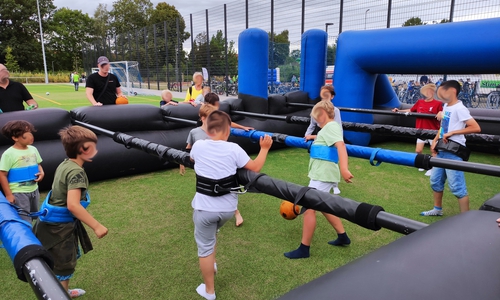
(70, 29)
(129, 15)
(413, 22)
(19, 29)
(279, 50)
(10, 60)
(198, 55)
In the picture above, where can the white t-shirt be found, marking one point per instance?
(454, 118)
(217, 160)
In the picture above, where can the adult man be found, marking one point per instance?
(102, 88)
(13, 94)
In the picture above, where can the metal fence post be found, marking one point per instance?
(208, 48)
(341, 16)
(166, 53)
(156, 58)
(225, 51)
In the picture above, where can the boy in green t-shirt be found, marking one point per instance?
(60, 230)
(326, 166)
(20, 169)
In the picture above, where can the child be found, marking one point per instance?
(68, 200)
(327, 93)
(449, 143)
(198, 133)
(166, 98)
(201, 98)
(426, 106)
(20, 168)
(212, 210)
(324, 172)
(213, 99)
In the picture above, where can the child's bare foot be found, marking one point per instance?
(239, 218)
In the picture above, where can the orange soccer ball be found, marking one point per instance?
(121, 100)
(287, 210)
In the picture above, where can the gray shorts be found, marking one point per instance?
(29, 202)
(206, 224)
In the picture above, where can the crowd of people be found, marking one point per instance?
(213, 203)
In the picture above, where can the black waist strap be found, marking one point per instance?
(453, 147)
(216, 187)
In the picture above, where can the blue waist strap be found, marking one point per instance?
(58, 214)
(22, 174)
(324, 153)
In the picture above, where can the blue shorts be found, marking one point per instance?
(456, 179)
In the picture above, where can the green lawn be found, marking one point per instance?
(64, 96)
(150, 251)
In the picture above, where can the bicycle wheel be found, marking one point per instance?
(493, 99)
(474, 100)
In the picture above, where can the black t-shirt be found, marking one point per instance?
(12, 97)
(97, 82)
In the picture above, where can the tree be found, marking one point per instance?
(129, 15)
(166, 15)
(331, 54)
(19, 28)
(101, 25)
(279, 50)
(10, 60)
(413, 22)
(70, 31)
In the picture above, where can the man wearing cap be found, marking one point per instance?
(13, 94)
(102, 88)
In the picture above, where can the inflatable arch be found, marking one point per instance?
(362, 56)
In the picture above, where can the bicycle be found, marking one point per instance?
(174, 87)
(469, 97)
(493, 100)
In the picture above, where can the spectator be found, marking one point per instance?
(196, 89)
(424, 80)
(102, 88)
(13, 94)
(76, 81)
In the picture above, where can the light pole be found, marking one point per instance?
(326, 26)
(366, 12)
(43, 47)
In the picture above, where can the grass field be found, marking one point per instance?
(64, 96)
(150, 251)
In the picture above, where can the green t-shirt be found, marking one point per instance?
(323, 170)
(76, 77)
(69, 176)
(14, 158)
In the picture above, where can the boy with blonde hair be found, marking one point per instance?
(20, 168)
(61, 228)
(214, 206)
(328, 162)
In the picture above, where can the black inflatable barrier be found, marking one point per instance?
(363, 214)
(492, 204)
(455, 258)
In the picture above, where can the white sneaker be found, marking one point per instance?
(432, 212)
(428, 173)
(202, 292)
(421, 170)
(336, 191)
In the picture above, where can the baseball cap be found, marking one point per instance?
(102, 60)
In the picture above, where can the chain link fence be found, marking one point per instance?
(169, 53)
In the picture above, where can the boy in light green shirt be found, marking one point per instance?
(329, 161)
(20, 169)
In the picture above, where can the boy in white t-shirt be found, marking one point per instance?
(450, 144)
(212, 209)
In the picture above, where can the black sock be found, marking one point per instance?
(301, 252)
(342, 240)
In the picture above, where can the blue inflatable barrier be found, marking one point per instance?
(313, 61)
(373, 154)
(18, 239)
(358, 83)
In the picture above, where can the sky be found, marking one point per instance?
(183, 6)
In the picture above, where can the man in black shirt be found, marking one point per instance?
(13, 94)
(102, 88)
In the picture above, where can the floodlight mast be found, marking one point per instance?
(43, 47)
